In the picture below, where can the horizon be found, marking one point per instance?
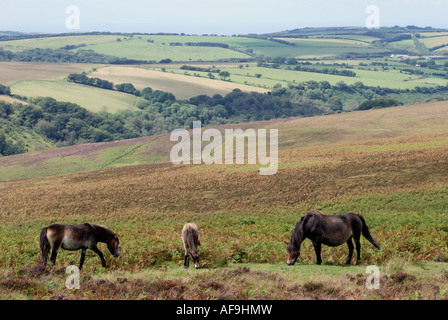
(214, 17)
(210, 34)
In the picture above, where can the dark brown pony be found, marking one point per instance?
(76, 237)
(331, 231)
(190, 238)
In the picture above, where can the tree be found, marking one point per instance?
(335, 103)
(146, 92)
(224, 75)
(6, 109)
(358, 85)
(48, 129)
(324, 85)
(8, 148)
(128, 88)
(5, 90)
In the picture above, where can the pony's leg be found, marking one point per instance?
(350, 250)
(318, 249)
(358, 250)
(54, 251)
(98, 252)
(83, 256)
(187, 258)
(357, 236)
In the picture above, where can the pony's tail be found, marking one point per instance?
(366, 232)
(44, 248)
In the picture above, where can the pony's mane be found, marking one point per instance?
(101, 231)
(294, 237)
(319, 215)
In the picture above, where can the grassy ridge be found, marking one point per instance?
(422, 119)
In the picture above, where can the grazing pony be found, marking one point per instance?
(75, 237)
(190, 237)
(331, 231)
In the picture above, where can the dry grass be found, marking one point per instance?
(182, 86)
(11, 72)
(233, 283)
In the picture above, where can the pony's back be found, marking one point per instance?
(190, 235)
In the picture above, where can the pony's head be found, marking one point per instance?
(293, 253)
(112, 245)
(195, 256)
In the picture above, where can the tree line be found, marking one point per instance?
(65, 55)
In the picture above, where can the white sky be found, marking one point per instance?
(215, 16)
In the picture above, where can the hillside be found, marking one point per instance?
(403, 121)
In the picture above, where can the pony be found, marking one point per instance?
(190, 238)
(76, 237)
(331, 231)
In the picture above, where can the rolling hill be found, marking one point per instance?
(403, 121)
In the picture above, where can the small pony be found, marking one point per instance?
(190, 237)
(75, 237)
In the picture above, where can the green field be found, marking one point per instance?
(318, 48)
(270, 77)
(54, 42)
(93, 99)
(140, 49)
(435, 41)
